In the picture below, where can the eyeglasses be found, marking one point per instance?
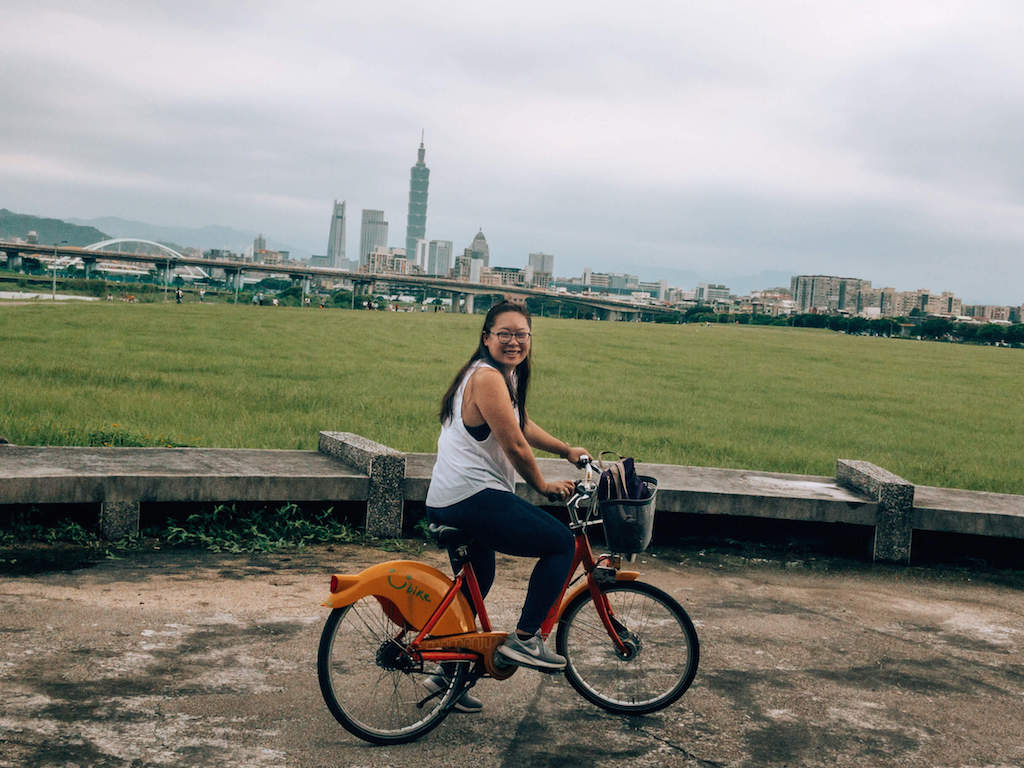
(506, 336)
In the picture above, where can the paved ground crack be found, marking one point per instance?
(685, 752)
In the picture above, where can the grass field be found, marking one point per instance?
(768, 398)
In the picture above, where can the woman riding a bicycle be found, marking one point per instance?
(486, 437)
(404, 644)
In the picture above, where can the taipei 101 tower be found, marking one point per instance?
(416, 225)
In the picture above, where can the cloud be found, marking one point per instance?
(869, 139)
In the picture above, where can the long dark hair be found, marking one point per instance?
(522, 378)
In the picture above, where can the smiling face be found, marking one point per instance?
(508, 354)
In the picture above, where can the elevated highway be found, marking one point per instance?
(364, 283)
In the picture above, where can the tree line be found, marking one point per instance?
(937, 328)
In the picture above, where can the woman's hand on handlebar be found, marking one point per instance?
(576, 455)
(560, 490)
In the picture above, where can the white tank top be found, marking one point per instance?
(464, 464)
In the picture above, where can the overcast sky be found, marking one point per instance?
(878, 140)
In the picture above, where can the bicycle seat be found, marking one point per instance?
(446, 536)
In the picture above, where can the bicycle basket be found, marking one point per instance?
(629, 523)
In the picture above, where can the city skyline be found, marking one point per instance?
(691, 143)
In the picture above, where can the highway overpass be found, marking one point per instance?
(363, 283)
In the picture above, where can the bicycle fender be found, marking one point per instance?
(409, 592)
(583, 587)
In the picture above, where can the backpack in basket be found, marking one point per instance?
(625, 501)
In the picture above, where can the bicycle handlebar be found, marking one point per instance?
(586, 463)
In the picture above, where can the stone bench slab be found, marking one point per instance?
(953, 510)
(53, 475)
(705, 490)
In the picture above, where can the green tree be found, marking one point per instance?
(291, 297)
(990, 333)
(274, 284)
(966, 331)
(838, 323)
(858, 325)
(342, 298)
(935, 327)
(1014, 334)
(811, 321)
(693, 312)
(882, 326)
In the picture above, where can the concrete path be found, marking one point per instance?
(194, 659)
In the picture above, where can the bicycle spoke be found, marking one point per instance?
(654, 629)
(369, 681)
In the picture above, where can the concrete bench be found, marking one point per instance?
(349, 467)
(708, 491)
(120, 479)
(861, 493)
(950, 510)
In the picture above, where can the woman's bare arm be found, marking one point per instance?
(541, 440)
(489, 395)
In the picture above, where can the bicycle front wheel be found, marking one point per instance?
(371, 685)
(662, 649)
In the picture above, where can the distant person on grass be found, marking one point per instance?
(486, 436)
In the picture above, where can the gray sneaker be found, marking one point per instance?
(530, 653)
(464, 703)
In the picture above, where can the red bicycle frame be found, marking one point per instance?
(583, 555)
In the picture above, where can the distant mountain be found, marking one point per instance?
(14, 225)
(207, 237)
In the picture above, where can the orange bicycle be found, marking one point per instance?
(630, 648)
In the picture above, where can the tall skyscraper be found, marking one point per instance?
(480, 248)
(543, 262)
(336, 239)
(416, 224)
(542, 269)
(373, 233)
(419, 259)
(439, 259)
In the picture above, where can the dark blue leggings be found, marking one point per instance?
(500, 521)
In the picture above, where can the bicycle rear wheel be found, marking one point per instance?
(371, 685)
(663, 650)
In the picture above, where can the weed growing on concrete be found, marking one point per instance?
(224, 529)
(220, 529)
(65, 531)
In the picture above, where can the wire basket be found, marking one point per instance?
(629, 523)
